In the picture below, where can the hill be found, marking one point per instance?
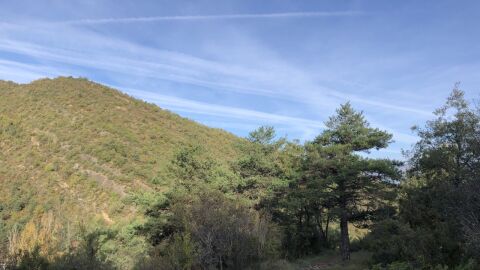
(76, 152)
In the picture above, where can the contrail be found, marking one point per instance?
(214, 17)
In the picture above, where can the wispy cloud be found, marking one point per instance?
(261, 74)
(272, 78)
(186, 105)
(382, 104)
(21, 72)
(214, 17)
(309, 127)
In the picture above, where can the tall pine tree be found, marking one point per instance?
(356, 185)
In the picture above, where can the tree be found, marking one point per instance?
(449, 145)
(192, 169)
(303, 213)
(209, 231)
(440, 202)
(354, 185)
(266, 164)
(203, 223)
(439, 209)
(264, 135)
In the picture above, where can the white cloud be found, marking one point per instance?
(214, 17)
(186, 105)
(268, 75)
(309, 128)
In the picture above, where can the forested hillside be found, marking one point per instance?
(82, 153)
(94, 179)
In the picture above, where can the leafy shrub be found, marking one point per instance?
(391, 241)
(210, 231)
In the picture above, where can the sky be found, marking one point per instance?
(237, 65)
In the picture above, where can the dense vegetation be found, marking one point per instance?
(85, 155)
(93, 179)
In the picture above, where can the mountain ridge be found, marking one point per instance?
(90, 154)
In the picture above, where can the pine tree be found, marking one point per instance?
(355, 184)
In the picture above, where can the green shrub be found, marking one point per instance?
(209, 230)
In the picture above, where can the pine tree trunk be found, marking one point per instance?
(344, 239)
(326, 228)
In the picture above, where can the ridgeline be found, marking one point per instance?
(88, 154)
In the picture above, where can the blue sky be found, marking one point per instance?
(240, 64)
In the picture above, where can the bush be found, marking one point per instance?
(210, 231)
(83, 257)
(391, 241)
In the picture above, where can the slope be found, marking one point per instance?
(86, 153)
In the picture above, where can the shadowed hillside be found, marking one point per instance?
(88, 154)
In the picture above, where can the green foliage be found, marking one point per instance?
(266, 164)
(339, 183)
(194, 170)
(161, 192)
(181, 252)
(264, 135)
(146, 199)
(349, 131)
(438, 206)
(92, 154)
(189, 168)
(448, 146)
(208, 230)
(393, 241)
